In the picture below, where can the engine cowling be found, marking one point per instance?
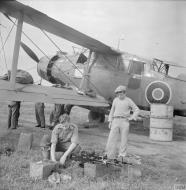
(57, 70)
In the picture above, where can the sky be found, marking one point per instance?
(151, 29)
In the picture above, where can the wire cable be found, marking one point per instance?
(14, 23)
(69, 60)
(3, 52)
(46, 55)
(63, 55)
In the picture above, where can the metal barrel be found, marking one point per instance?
(161, 122)
(161, 111)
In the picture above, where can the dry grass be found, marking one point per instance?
(158, 172)
(15, 176)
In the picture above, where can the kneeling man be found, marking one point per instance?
(64, 138)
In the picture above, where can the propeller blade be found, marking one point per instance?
(30, 52)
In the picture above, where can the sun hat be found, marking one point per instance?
(120, 88)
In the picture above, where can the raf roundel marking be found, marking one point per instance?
(158, 92)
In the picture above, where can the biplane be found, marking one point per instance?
(96, 74)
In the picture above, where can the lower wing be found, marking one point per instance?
(37, 93)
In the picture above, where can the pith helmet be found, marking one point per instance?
(120, 88)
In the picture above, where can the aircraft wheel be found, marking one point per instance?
(68, 108)
(96, 117)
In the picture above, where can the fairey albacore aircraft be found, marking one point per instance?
(99, 73)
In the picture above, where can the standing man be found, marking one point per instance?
(13, 115)
(40, 115)
(55, 114)
(119, 118)
(22, 77)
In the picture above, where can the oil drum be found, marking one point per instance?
(161, 122)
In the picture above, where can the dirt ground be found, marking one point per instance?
(163, 163)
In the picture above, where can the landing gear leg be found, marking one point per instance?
(96, 117)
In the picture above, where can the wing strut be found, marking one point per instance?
(85, 80)
(16, 50)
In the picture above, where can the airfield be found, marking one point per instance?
(163, 163)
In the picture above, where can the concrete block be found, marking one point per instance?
(134, 171)
(77, 172)
(25, 142)
(124, 171)
(42, 169)
(131, 171)
(101, 170)
(74, 171)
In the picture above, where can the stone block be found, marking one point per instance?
(134, 171)
(42, 169)
(101, 170)
(74, 171)
(131, 171)
(25, 142)
(124, 171)
(77, 172)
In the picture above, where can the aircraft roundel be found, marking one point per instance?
(158, 92)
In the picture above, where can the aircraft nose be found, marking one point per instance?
(48, 70)
(58, 71)
(42, 68)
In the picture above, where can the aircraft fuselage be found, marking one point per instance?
(144, 85)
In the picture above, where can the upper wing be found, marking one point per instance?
(36, 93)
(40, 20)
(155, 60)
